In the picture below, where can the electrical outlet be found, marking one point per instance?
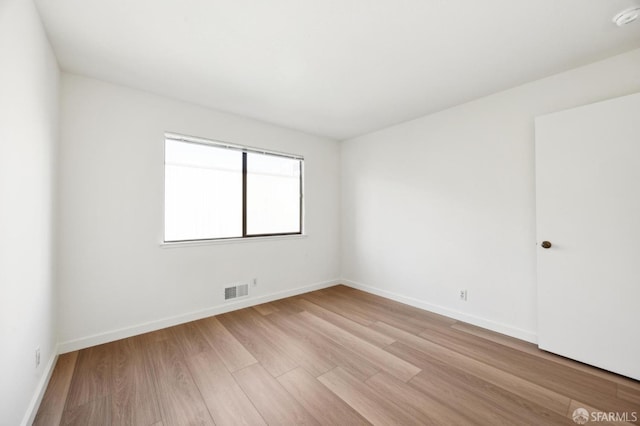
(37, 356)
(254, 282)
(463, 295)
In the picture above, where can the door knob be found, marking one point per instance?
(546, 244)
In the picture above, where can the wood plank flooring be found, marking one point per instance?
(336, 356)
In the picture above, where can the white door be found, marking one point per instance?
(588, 208)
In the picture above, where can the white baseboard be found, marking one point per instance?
(32, 410)
(498, 327)
(110, 336)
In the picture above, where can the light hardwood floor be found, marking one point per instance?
(337, 356)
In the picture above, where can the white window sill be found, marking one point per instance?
(230, 241)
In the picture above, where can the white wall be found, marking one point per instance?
(114, 277)
(28, 135)
(447, 201)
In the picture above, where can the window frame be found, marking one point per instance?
(244, 149)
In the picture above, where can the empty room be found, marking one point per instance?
(283, 212)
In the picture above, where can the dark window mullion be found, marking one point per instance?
(244, 194)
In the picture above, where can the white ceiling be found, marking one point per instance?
(337, 68)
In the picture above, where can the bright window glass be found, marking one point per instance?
(203, 192)
(273, 194)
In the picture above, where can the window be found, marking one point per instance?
(215, 190)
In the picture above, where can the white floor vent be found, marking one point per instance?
(233, 292)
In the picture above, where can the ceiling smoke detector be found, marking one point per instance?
(627, 16)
